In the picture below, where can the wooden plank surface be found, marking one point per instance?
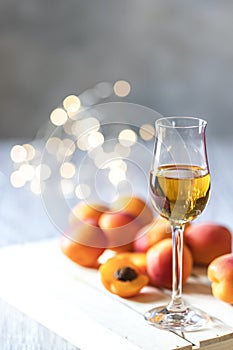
(71, 301)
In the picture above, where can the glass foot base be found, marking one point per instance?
(190, 320)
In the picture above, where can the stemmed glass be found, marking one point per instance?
(179, 191)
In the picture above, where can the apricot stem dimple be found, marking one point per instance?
(125, 274)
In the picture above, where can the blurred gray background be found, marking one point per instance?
(177, 55)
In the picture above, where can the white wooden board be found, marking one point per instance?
(71, 301)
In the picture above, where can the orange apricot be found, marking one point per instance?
(83, 244)
(152, 233)
(122, 277)
(119, 228)
(138, 259)
(135, 207)
(85, 211)
(220, 273)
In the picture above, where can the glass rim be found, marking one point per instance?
(197, 122)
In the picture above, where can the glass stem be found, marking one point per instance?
(176, 304)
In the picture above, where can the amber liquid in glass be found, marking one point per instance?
(180, 192)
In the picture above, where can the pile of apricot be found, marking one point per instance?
(141, 247)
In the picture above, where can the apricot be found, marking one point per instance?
(119, 228)
(220, 272)
(83, 244)
(125, 248)
(207, 241)
(135, 207)
(159, 263)
(120, 276)
(85, 211)
(151, 234)
(138, 259)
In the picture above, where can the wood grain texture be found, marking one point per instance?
(19, 332)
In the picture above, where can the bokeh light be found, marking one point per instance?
(27, 172)
(16, 179)
(103, 160)
(66, 148)
(31, 152)
(95, 139)
(122, 88)
(37, 186)
(86, 152)
(71, 104)
(43, 172)
(82, 142)
(127, 137)
(116, 175)
(123, 151)
(67, 170)
(58, 117)
(93, 153)
(86, 125)
(147, 132)
(52, 145)
(68, 127)
(18, 154)
(67, 188)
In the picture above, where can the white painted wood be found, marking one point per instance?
(71, 301)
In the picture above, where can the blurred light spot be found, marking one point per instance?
(18, 154)
(67, 170)
(95, 139)
(67, 187)
(31, 152)
(72, 104)
(58, 116)
(104, 89)
(123, 151)
(123, 166)
(66, 148)
(116, 175)
(68, 127)
(127, 137)
(72, 116)
(83, 143)
(36, 186)
(116, 163)
(102, 159)
(82, 191)
(52, 145)
(147, 132)
(27, 172)
(17, 180)
(121, 88)
(83, 129)
(92, 153)
(42, 172)
(85, 125)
